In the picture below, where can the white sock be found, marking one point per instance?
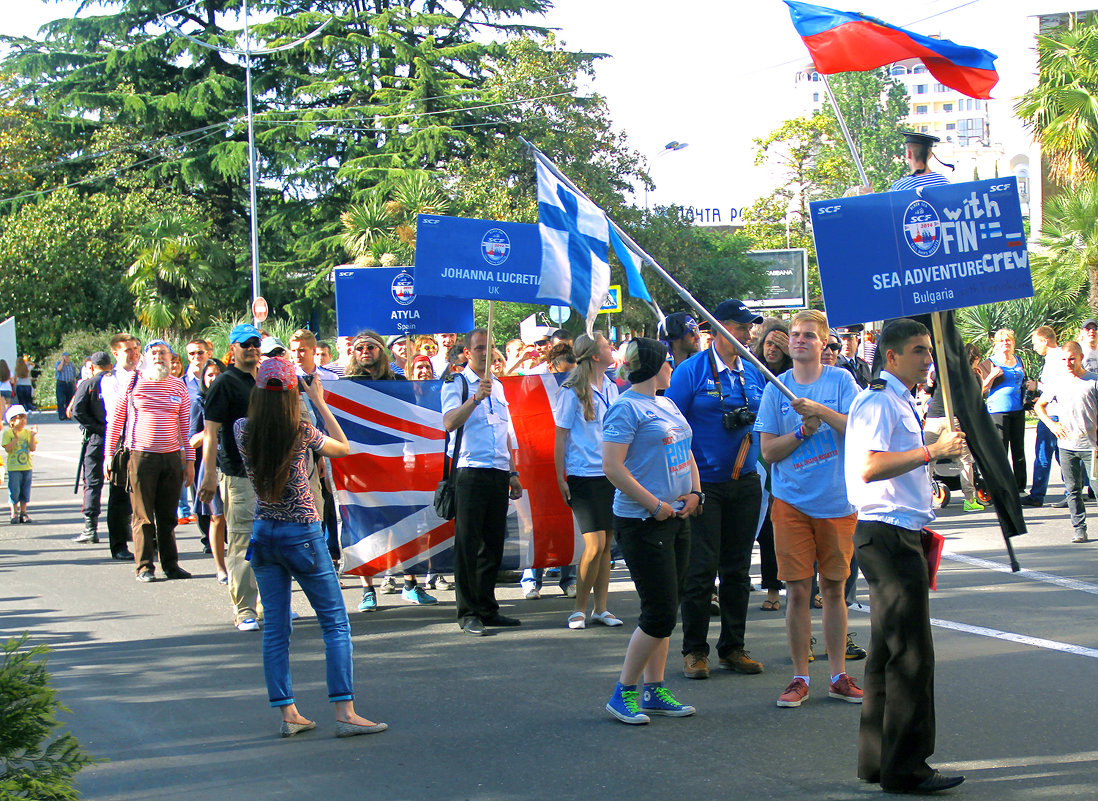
(805, 679)
(836, 677)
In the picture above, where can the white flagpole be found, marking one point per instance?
(667, 277)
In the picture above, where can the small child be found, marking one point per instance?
(19, 441)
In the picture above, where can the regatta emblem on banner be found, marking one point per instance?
(404, 288)
(495, 247)
(921, 228)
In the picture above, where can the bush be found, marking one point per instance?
(31, 765)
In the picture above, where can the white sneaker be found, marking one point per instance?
(570, 591)
(251, 624)
(532, 594)
(389, 586)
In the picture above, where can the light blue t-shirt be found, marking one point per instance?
(659, 448)
(812, 478)
(583, 455)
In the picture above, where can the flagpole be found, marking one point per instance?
(846, 132)
(491, 346)
(743, 352)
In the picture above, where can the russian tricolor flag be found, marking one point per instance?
(846, 41)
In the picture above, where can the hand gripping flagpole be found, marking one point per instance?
(666, 276)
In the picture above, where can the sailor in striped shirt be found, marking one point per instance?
(154, 413)
(917, 152)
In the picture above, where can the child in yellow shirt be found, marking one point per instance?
(19, 441)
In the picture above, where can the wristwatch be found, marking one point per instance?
(701, 496)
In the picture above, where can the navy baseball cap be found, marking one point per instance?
(736, 311)
(243, 332)
(676, 326)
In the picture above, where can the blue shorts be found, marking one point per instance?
(19, 486)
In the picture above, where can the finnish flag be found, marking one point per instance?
(575, 237)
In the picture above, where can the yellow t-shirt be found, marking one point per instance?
(20, 458)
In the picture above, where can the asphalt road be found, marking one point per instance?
(171, 697)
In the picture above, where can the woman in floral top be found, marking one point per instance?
(288, 541)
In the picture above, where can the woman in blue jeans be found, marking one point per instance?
(288, 541)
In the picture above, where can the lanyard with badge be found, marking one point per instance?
(491, 416)
(738, 417)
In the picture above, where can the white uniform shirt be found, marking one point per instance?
(486, 441)
(886, 420)
(1053, 371)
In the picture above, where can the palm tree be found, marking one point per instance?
(382, 229)
(1069, 236)
(176, 266)
(1062, 109)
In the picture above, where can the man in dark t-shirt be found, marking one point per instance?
(226, 402)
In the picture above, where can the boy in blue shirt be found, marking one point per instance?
(813, 519)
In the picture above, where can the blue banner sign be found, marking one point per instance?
(385, 300)
(896, 254)
(461, 257)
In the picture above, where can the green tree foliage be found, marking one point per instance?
(1061, 110)
(33, 762)
(1068, 261)
(382, 229)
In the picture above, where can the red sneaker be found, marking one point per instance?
(794, 694)
(845, 690)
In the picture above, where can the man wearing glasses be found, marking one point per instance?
(197, 355)
(370, 359)
(226, 402)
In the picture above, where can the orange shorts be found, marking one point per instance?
(800, 541)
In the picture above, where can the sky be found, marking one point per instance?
(718, 74)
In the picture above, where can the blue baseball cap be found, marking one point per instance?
(736, 311)
(243, 332)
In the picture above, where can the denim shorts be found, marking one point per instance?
(19, 486)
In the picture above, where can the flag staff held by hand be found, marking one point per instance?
(543, 161)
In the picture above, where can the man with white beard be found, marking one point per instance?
(154, 414)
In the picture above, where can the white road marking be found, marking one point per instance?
(1033, 575)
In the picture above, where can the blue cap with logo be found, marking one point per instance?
(736, 311)
(243, 332)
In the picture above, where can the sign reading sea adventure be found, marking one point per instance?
(897, 254)
(462, 257)
(611, 304)
(385, 300)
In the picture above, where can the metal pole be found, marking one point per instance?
(666, 276)
(846, 133)
(251, 156)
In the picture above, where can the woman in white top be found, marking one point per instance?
(578, 411)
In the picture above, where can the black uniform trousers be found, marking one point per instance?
(722, 538)
(480, 527)
(897, 728)
(93, 475)
(119, 511)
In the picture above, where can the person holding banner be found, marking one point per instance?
(886, 479)
(581, 404)
(719, 393)
(917, 147)
(646, 455)
(485, 479)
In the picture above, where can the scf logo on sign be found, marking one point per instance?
(822, 210)
(495, 247)
(403, 288)
(922, 228)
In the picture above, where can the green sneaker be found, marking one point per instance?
(973, 506)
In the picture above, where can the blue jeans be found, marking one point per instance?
(1044, 450)
(278, 552)
(19, 486)
(532, 576)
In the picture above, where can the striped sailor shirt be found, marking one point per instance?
(157, 417)
(915, 181)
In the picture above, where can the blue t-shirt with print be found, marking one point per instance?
(658, 437)
(812, 478)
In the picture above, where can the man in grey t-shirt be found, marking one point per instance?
(1076, 396)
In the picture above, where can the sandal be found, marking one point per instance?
(577, 620)
(817, 602)
(222, 578)
(771, 606)
(605, 618)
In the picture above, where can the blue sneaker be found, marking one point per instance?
(369, 600)
(658, 700)
(417, 595)
(623, 705)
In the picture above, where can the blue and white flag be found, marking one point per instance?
(575, 239)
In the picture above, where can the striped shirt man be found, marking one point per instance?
(156, 417)
(914, 181)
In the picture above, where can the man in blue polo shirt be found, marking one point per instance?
(718, 393)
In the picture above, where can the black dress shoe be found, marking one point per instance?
(474, 626)
(177, 573)
(934, 783)
(501, 620)
(1029, 500)
(122, 556)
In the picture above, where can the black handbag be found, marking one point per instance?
(445, 501)
(120, 459)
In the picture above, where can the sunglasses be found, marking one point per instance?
(254, 342)
(364, 348)
(835, 346)
(541, 343)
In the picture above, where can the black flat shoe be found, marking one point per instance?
(122, 556)
(475, 627)
(501, 620)
(935, 783)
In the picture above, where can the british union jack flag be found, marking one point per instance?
(385, 488)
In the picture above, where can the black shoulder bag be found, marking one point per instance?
(445, 505)
(120, 459)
